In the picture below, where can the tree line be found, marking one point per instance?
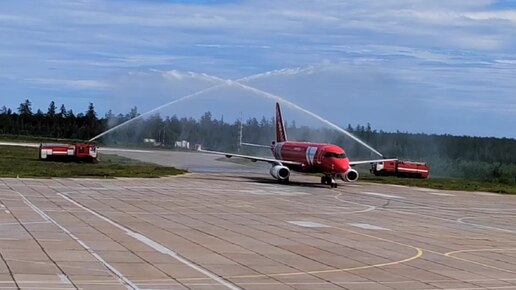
(484, 158)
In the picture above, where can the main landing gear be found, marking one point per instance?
(329, 180)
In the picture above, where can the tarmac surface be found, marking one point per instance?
(241, 230)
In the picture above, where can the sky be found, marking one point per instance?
(443, 67)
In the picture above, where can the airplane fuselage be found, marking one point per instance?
(313, 157)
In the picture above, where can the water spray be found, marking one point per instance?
(157, 109)
(224, 82)
(288, 103)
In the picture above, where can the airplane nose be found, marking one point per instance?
(342, 165)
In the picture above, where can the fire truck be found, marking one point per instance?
(68, 152)
(401, 168)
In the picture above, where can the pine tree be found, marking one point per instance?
(25, 108)
(51, 110)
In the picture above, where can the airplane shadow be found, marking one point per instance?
(265, 180)
(262, 180)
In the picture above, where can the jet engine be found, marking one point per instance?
(280, 172)
(350, 176)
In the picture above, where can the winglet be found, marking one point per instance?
(281, 134)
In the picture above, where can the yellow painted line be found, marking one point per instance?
(419, 253)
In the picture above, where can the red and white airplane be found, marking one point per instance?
(306, 157)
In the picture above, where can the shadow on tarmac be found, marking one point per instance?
(261, 180)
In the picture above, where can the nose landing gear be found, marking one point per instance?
(329, 180)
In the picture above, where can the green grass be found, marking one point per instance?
(23, 162)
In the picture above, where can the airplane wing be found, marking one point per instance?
(252, 158)
(370, 161)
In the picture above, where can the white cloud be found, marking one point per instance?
(73, 84)
(449, 49)
(509, 15)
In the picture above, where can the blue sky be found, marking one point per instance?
(408, 65)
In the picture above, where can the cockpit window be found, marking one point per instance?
(334, 155)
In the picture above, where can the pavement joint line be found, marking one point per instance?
(419, 253)
(476, 288)
(122, 279)
(451, 255)
(171, 281)
(47, 263)
(480, 250)
(64, 279)
(156, 246)
(443, 245)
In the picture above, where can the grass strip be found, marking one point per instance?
(24, 162)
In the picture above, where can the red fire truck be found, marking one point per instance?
(401, 168)
(68, 152)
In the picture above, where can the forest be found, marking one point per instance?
(479, 158)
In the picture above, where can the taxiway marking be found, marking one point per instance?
(419, 253)
(440, 193)
(461, 221)
(369, 207)
(382, 195)
(368, 226)
(121, 278)
(155, 245)
(308, 224)
(451, 255)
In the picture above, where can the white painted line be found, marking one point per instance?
(121, 278)
(7, 212)
(308, 224)
(462, 221)
(396, 185)
(9, 239)
(485, 193)
(156, 246)
(369, 207)
(64, 278)
(440, 193)
(383, 195)
(368, 227)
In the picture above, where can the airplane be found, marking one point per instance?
(307, 157)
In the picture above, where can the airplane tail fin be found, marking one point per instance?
(281, 134)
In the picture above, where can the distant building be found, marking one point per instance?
(151, 142)
(183, 144)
